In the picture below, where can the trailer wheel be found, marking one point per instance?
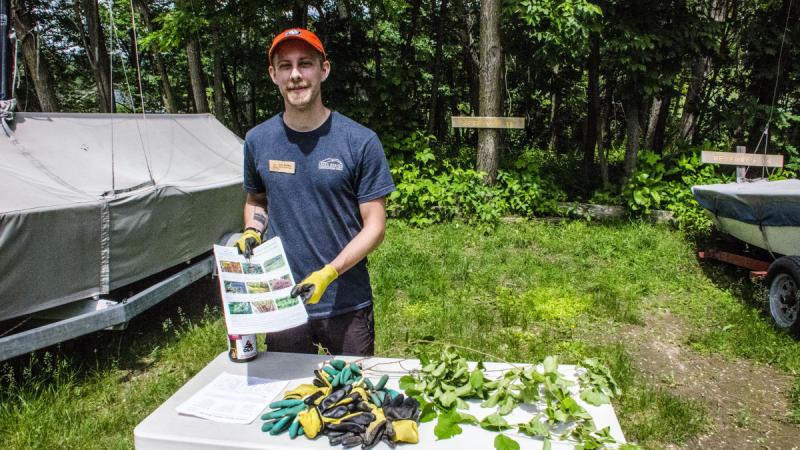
(783, 298)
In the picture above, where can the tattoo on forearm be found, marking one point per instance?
(260, 218)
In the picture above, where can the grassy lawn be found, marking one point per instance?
(525, 291)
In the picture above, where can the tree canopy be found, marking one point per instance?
(597, 80)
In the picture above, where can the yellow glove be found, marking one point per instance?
(311, 422)
(251, 238)
(314, 285)
(405, 431)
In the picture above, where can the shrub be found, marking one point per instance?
(666, 184)
(431, 191)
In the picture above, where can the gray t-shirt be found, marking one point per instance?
(315, 209)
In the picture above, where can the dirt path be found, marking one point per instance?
(747, 402)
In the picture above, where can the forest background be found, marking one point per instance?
(619, 96)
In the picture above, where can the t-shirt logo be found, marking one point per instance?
(331, 164)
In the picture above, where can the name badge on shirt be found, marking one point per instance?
(281, 166)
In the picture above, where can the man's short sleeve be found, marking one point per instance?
(375, 179)
(253, 183)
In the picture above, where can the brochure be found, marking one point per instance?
(255, 291)
(232, 398)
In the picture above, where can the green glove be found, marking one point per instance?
(314, 285)
(283, 417)
(251, 238)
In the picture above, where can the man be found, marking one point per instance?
(318, 180)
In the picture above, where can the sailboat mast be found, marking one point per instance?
(5, 51)
(6, 58)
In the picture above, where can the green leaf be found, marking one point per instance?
(594, 397)
(503, 442)
(468, 418)
(407, 382)
(534, 428)
(550, 364)
(476, 379)
(427, 413)
(530, 394)
(447, 426)
(547, 444)
(494, 422)
(509, 403)
(491, 402)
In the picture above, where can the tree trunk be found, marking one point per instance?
(592, 104)
(196, 76)
(652, 120)
(655, 141)
(35, 65)
(691, 107)
(604, 141)
(95, 44)
(435, 106)
(697, 83)
(167, 94)
(633, 131)
(251, 98)
(230, 93)
(469, 51)
(407, 50)
(555, 99)
(219, 95)
(602, 159)
(300, 14)
(489, 140)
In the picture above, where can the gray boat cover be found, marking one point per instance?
(767, 203)
(93, 202)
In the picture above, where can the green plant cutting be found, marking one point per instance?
(445, 382)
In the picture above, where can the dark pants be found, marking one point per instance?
(348, 334)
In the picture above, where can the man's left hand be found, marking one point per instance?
(314, 285)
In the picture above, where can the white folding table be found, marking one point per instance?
(164, 428)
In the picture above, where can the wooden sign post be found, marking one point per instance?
(488, 122)
(742, 160)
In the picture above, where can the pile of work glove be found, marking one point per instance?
(346, 407)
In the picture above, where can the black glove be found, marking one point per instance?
(398, 424)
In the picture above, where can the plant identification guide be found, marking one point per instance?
(255, 292)
(232, 398)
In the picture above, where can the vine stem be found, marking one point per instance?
(404, 348)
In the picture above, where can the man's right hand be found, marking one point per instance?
(251, 238)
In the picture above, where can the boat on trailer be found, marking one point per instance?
(93, 203)
(765, 214)
(104, 215)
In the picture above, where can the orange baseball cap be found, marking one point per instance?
(300, 34)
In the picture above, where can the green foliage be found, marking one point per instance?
(666, 184)
(430, 190)
(503, 442)
(175, 26)
(445, 381)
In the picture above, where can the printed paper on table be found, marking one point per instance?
(232, 398)
(255, 292)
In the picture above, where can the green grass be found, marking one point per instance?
(522, 292)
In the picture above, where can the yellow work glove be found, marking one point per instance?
(314, 285)
(311, 422)
(305, 390)
(405, 430)
(251, 238)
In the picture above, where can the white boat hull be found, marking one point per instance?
(782, 240)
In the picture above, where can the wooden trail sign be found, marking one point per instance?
(741, 160)
(488, 122)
